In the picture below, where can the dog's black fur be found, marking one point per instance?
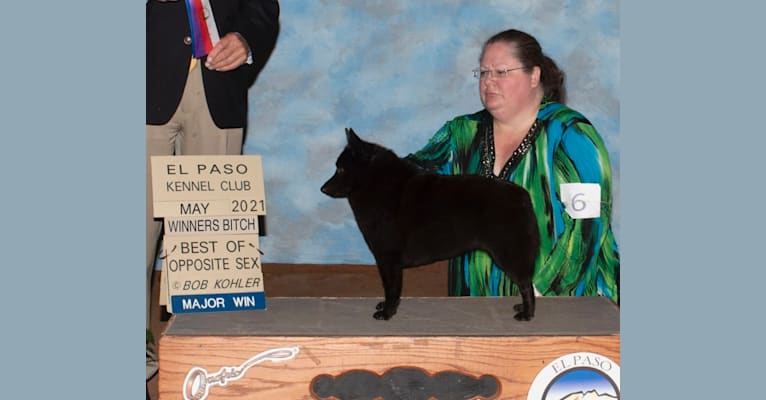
(410, 218)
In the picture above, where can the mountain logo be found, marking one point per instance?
(577, 376)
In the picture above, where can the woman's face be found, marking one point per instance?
(510, 93)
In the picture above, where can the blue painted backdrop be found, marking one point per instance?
(395, 71)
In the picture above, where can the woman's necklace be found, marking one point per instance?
(488, 153)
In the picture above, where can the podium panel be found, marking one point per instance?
(332, 348)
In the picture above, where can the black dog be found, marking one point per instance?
(410, 218)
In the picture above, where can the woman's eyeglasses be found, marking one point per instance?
(493, 73)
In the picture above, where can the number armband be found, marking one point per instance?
(581, 200)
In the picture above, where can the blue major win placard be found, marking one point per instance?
(218, 302)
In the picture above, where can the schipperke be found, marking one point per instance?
(410, 217)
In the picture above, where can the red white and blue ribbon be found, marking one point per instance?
(204, 32)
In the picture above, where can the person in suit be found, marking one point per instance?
(197, 106)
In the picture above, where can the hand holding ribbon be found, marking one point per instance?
(229, 53)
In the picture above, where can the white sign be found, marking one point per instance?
(211, 206)
(215, 273)
(582, 200)
(207, 186)
(247, 224)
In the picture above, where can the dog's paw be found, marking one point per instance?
(384, 314)
(380, 305)
(381, 315)
(522, 315)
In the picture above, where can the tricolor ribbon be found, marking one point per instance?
(204, 32)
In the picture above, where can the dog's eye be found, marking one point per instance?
(339, 170)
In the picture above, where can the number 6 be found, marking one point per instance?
(577, 204)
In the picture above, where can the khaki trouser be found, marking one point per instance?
(191, 131)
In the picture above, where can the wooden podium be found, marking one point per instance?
(332, 348)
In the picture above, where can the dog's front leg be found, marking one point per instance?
(391, 276)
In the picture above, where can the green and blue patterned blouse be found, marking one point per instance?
(578, 257)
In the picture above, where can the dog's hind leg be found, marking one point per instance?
(392, 278)
(526, 310)
(519, 267)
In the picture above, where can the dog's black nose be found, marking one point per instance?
(326, 189)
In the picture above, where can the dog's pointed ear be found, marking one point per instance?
(352, 139)
(360, 149)
(355, 143)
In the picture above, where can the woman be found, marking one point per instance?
(525, 134)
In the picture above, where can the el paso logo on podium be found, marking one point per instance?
(577, 376)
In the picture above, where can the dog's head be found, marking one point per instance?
(351, 166)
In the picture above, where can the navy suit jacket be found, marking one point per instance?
(168, 52)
